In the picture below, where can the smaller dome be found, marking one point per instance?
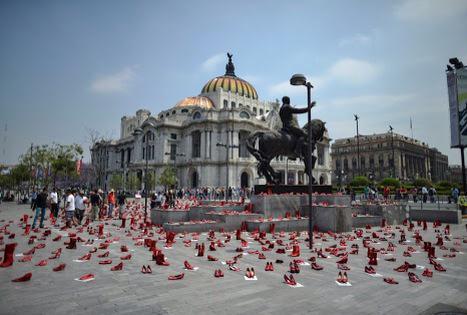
(200, 101)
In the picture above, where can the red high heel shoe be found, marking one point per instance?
(290, 280)
(414, 278)
(402, 268)
(370, 270)
(439, 267)
(104, 255)
(343, 260)
(87, 276)
(218, 273)
(148, 269)
(42, 263)
(212, 258)
(117, 267)
(24, 278)
(315, 266)
(126, 257)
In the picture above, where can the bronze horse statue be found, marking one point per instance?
(272, 144)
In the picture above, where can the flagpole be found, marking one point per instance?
(411, 127)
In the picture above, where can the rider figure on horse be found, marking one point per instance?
(289, 124)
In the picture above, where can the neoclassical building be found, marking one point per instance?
(412, 158)
(203, 137)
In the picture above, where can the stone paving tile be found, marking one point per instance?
(130, 292)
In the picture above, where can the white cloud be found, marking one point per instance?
(429, 10)
(347, 70)
(117, 82)
(374, 100)
(353, 71)
(357, 39)
(213, 62)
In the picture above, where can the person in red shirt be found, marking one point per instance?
(111, 202)
(386, 192)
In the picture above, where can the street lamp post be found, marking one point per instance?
(227, 147)
(300, 79)
(392, 147)
(358, 145)
(146, 177)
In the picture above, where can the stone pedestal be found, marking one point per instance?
(336, 219)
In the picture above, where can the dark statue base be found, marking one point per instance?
(294, 189)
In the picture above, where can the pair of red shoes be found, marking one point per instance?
(342, 277)
(370, 270)
(414, 278)
(117, 267)
(250, 273)
(146, 269)
(290, 280)
(177, 277)
(294, 267)
(218, 273)
(269, 266)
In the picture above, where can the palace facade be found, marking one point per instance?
(203, 137)
(412, 159)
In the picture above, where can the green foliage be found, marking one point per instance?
(390, 182)
(116, 181)
(151, 180)
(168, 177)
(133, 182)
(360, 181)
(420, 182)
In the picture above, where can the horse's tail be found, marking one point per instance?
(250, 145)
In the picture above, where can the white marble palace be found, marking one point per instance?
(194, 136)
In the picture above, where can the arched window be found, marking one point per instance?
(196, 144)
(255, 110)
(232, 105)
(184, 110)
(346, 164)
(244, 115)
(338, 164)
(320, 155)
(242, 149)
(245, 180)
(362, 163)
(174, 112)
(261, 111)
(197, 115)
(226, 103)
(354, 163)
(194, 179)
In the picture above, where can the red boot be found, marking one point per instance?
(8, 258)
(72, 244)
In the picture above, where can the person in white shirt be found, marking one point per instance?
(54, 202)
(79, 206)
(70, 207)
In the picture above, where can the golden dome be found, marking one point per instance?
(230, 82)
(200, 101)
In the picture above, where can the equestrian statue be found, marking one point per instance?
(290, 141)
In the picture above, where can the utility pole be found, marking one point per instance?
(392, 147)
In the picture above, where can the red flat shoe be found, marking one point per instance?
(59, 267)
(105, 262)
(117, 267)
(24, 278)
(42, 263)
(87, 276)
(187, 265)
(177, 277)
(127, 257)
(390, 281)
(85, 257)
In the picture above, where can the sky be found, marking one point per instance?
(68, 67)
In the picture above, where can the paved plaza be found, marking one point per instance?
(130, 291)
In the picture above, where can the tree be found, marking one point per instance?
(422, 182)
(168, 177)
(116, 181)
(360, 181)
(151, 181)
(391, 182)
(133, 182)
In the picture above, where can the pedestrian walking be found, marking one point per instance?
(40, 203)
(70, 207)
(54, 202)
(79, 206)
